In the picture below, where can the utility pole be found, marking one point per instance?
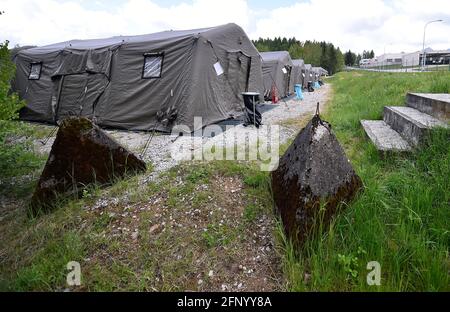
(423, 43)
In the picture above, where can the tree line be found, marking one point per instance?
(321, 54)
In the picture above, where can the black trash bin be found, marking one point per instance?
(252, 114)
(310, 86)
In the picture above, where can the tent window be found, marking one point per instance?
(153, 63)
(35, 71)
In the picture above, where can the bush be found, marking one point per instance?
(9, 102)
(16, 156)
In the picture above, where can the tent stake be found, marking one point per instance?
(47, 138)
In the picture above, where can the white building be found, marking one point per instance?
(389, 59)
(433, 57)
(366, 62)
(440, 57)
(411, 59)
(408, 59)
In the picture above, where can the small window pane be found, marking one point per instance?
(153, 66)
(35, 71)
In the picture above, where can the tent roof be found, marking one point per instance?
(323, 70)
(320, 70)
(276, 56)
(118, 40)
(298, 62)
(308, 66)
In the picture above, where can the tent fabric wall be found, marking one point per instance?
(103, 79)
(272, 69)
(316, 73)
(299, 66)
(322, 71)
(308, 75)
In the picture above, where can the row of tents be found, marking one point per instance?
(155, 81)
(281, 73)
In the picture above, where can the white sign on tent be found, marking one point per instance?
(218, 68)
(284, 70)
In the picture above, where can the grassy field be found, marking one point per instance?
(402, 218)
(211, 226)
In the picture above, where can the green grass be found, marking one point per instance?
(19, 165)
(35, 251)
(401, 219)
(432, 68)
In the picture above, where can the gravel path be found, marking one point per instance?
(166, 151)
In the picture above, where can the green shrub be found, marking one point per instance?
(9, 102)
(16, 157)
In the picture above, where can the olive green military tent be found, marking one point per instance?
(141, 82)
(316, 73)
(308, 75)
(322, 71)
(277, 72)
(298, 71)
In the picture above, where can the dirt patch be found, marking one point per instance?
(195, 237)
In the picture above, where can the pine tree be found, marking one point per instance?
(321, 54)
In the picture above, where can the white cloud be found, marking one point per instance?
(358, 25)
(350, 24)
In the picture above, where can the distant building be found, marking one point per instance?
(365, 62)
(387, 59)
(411, 59)
(390, 59)
(441, 57)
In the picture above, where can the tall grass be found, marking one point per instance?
(402, 217)
(18, 164)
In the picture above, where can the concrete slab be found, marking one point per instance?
(384, 137)
(434, 104)
(410, 123)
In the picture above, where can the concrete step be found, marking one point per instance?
(384, 137)
(410, 123)
(434, 104)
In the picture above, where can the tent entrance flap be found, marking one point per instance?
(82, 77)
(238, 72)
(287, 80)
(79, 94)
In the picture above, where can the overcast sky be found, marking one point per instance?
(392, 25)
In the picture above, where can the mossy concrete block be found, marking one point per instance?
(82, 154)
(314, 177)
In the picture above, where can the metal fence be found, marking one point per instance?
(402, 68)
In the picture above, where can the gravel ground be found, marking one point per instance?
(166, 151)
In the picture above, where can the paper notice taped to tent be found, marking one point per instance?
(284, 70)
(218, 68)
